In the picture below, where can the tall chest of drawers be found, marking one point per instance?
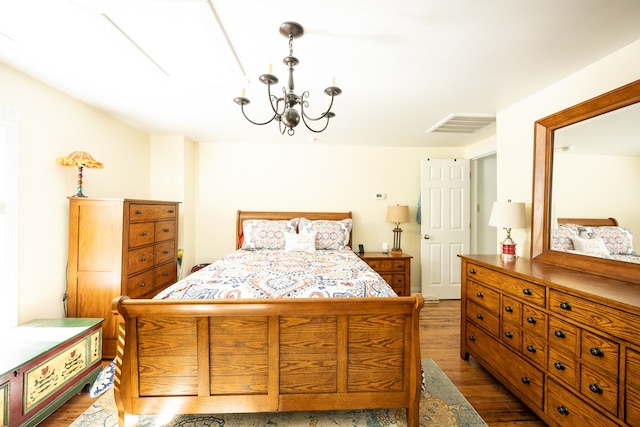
(118, 247)
(566, 343)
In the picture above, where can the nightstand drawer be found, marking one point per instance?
(387, 265)
(395, 269)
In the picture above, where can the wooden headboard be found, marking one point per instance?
(244, 215)
(589, 222)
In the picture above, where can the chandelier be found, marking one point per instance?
(284, 111)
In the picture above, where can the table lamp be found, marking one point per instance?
(82, 160)
(397, 214)
(508, 215)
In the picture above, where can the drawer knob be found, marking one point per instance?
(559, 366)
(143, 258)
(563, 410)
(480, 316)
(565, 306)
(560, 334)
(473, 271)
(166, 230)
(165, 273)
(597, 352)
(16, 373)
(480, 295)
(595, 388)
(166, 252)
(142, 284)
(531, 320)
(472, 337)
(508, 334)
(527, 291)
(138, 212)
(171, 211)
(531, 348)
(526, 380)
(144, 233)
(508, 309)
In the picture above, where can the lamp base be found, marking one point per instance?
(395, 251)
(508, 250)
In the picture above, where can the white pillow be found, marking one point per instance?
(303, 242)
(590, 246)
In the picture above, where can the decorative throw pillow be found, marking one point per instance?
(303, 242)
(330, 235)
(561, 237)
(593, 246)
(619, 240)
(266, 234)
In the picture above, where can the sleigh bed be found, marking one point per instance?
(294, 348)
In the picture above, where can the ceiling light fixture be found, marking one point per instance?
(284, 111)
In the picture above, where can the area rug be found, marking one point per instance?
(441, 405)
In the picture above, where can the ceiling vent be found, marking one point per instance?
(463, 123)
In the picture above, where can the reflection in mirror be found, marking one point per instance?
(596, 165)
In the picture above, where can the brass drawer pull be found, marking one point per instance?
(531, 320)
(508, 309)
(597, 352)
(565, 306)
(480, 316)
(595, 388)
(563, 410)
(531, 348)
(480, 295)
(527, 291)
(526, 380)
(508, 334)
(560, 334)
(559, 366)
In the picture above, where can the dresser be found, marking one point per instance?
(118, 247)
(566, 343)
(43, 364)
(395, 269)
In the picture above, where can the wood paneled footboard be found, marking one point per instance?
(233, 356)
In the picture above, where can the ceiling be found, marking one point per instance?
(174, 66)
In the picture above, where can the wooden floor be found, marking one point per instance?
(440, 341)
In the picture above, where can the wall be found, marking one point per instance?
(51, 125)
(515, 124)
(309, 177)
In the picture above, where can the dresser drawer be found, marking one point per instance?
(562, 367)
(567, 410)
(599, 388)
(165, 230)
(146, 212)
(483, 317)
(512, 335)
(534, 348)
(387, 265)
(632, 385)
(599, 352)
(164, 275)
(164, 252)
(511, 311)
(563, 335)
(527, 291)
(534, 321)
(483, 296)
(140, 284)
(141, 234)
(140, 259)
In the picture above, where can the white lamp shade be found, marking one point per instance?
(398, 213)
(508, 215)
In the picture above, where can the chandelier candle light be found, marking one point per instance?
(284, 111)
(508, 215)
(397, 214)
(82, 160)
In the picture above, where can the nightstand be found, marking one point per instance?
(394, 268)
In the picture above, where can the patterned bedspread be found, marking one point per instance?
(280, 274)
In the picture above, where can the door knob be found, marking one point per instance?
(426, 236)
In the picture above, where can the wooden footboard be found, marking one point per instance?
(222, 356)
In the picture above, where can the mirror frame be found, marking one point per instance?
(542, 179)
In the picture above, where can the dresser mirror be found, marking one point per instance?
(571, 149)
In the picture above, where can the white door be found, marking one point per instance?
(445, 225)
